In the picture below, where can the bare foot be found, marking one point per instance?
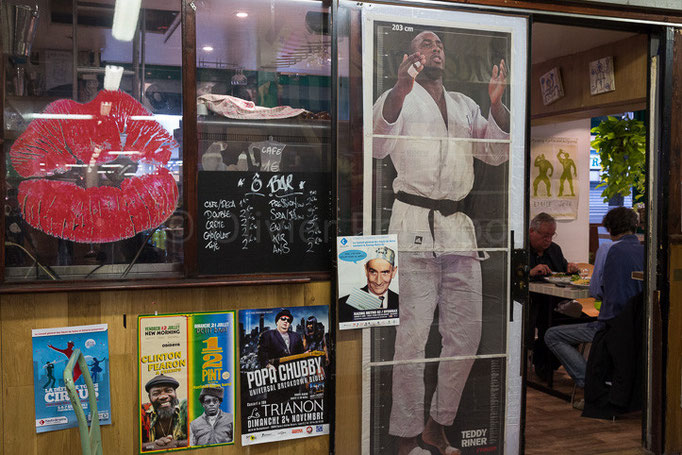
(434, 435)
(406, 445)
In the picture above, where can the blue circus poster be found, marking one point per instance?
(52, 349)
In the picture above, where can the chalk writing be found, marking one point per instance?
(247, 216)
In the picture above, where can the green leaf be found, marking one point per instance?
(621, 145)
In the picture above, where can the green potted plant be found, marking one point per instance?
(621, 145)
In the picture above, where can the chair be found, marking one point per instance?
(586, 265)
(91, 441)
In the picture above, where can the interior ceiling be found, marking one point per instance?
(276, 37)
(550, 40)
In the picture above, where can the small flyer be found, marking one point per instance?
(187, 388)
(52, 349)
(284, 369)
(368, 281)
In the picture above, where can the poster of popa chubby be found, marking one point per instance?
(284, 373)
(187, 386)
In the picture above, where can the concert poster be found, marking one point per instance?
(284, 363)
(186, 380)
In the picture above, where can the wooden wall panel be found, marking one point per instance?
(673, 415)
(348, 391)
(630, 63)
(22, 312)
(673, 367)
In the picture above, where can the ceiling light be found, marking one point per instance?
(32, 116)
(126, 14)
(242, 14)
(207, 48)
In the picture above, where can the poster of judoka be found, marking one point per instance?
(284, 370)
(187, 384)
(52, 349)
(554, 177)
(440, 122)
(368, 281)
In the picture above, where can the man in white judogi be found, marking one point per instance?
(432, 137)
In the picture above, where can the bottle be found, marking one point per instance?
(242, 163)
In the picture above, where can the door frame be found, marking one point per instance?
(658, 110)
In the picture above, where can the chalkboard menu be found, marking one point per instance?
(264, 222)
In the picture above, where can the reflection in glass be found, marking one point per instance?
(263, 84)
(264, 97)
(93, 162)
(480, 427)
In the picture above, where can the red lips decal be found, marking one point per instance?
(86, 136)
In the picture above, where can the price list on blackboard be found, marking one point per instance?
(264, 222)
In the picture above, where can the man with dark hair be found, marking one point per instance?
(313, 339)
(164, 418)
(213, 426)
(279, 342)
(615, 224)
(428, 131)
(625, 256)
(546, 258)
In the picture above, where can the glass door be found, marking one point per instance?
(440, 98)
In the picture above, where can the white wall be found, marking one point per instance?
(573, 236)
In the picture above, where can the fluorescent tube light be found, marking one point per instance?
(59, 116)
(125, 19)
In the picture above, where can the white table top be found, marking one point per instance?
(567, 292)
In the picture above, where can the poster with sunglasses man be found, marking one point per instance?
(283, 363)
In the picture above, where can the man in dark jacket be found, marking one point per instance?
(280, 342)
(546, 258)
(625, 256)
(213, 426)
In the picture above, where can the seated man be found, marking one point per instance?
(625, 256)
(546, 258)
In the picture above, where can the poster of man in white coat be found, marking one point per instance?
(440, 122)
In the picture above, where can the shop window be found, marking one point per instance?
(264, 130)
(93, 165)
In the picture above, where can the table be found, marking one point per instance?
(567, 292)
(588, 307)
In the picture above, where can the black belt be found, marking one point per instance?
(446, 207)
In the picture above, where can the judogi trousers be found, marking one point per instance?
(453, 283)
